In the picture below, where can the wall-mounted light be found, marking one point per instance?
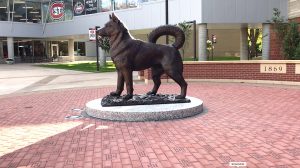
(34, 12)
(28, 7)
(3, 7)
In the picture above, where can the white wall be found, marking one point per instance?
(241, 11)
(16, 29)
(90, 49)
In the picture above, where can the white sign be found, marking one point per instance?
(92, 34)
(297, 69)
(272, 68)
(237, 164)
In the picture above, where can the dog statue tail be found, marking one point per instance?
(168, 30)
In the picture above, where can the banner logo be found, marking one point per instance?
(57, 10)
(78, 8)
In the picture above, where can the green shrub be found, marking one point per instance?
(291, 41)
(297, 52)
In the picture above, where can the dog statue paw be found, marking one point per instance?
(151, 93)
(115, 94)
(179, 97)
(128, 96)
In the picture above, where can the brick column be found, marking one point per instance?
(71, 50)
(244, 43)
(202, 38)
(266, 41)
(10, 48)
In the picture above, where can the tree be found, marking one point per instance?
(254, 37)
(297, 53)
(279, 23)
(186, 27)
(105, 46)
(288, 35)
(291, 41)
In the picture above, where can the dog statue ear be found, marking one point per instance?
(115, 18)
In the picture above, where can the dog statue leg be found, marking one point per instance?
(156, 74)
(129, 84)
(120, 85)
(178, 78)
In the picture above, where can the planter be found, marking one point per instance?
(9, 61)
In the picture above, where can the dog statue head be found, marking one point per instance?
(113, 27)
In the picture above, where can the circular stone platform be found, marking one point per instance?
(154, 112)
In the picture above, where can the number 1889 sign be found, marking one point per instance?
(272, 68)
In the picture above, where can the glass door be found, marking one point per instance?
(54, 51)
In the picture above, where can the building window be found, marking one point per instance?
(33, 12)
(24, 11)
(56, 11)
(105, 5)
(19, 13)
(124, 4)
(90, 6)
(3, 10)
(132, 3)
(63, 48)
(39, 49)
(141, 1)
(5, 52)
(120, 4)
(23, 50)
(79, 48)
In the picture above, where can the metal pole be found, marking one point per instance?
(195, 40)
(97, 47)
(167, 19)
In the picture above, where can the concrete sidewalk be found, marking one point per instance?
(23, 78)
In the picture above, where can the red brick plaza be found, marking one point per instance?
(256, 124)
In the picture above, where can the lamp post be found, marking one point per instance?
(167, 19)
(97, 47)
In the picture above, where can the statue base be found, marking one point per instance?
(109, 101)
(153, 112)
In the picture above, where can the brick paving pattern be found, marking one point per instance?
(243, 123)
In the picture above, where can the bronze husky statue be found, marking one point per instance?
(129, 54)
